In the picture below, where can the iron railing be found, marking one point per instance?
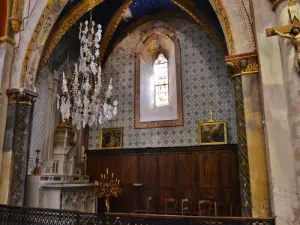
(10, 215)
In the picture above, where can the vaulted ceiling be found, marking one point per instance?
(116, 17)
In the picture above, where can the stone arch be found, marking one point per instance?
(232, 15)
(33, 39)
(234, 20)
(236, 25)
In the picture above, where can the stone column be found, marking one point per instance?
(291, 80)
(16, 144)
(6, 58)
(254, 183)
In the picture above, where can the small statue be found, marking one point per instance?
(294, 35)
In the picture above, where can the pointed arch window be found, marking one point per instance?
(161, 80)
(158, 92)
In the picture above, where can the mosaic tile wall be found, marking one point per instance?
(205, 86)
(38, 133)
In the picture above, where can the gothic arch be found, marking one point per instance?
(233, 18)
(234, 21)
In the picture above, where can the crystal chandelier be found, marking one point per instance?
(82, 97)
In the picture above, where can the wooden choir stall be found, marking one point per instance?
(197, 180)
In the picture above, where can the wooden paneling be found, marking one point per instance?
(128, 172)
(208, 169)
(196, 173)
(149, 172)
(167, 170)
(186, 170)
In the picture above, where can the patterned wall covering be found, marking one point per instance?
(206, 85)
(39, 122)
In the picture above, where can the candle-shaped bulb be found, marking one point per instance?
(106, 170)
(118, 181)
(101, 175)
(75, 137)
(112, 175)
(104, 176)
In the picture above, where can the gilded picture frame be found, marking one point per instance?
(111, 138)
(212, 133)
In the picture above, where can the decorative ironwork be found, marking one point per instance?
(22, 216)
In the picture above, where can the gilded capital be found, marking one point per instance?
(17, 15)
(21, 96)
(242, 64)
(276, 3)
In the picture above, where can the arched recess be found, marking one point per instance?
(35, 35)
(231, 14)
(26, 61)
(146, 115)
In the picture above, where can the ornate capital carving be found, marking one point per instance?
(243, 64)
(17, 15)
(276, 3)
(21, 96)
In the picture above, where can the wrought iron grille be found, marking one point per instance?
(10, 215)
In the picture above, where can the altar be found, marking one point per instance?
(59, 182)
(61, 192)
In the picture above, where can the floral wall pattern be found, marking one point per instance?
(205, 83)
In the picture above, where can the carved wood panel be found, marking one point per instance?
(186, 172)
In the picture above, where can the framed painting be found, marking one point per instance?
(212, 133)
(111, 138)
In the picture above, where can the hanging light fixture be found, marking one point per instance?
(83, 98)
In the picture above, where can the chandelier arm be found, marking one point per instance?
(83, 99)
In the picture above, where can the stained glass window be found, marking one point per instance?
(161, 79)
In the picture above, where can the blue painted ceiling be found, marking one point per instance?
(105, 11)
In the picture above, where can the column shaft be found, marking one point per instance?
(16, 144)
(255, 198)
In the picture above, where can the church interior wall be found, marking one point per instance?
(275, 90)
(206, 86)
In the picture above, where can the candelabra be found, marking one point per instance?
(108, 187)
(36, 170)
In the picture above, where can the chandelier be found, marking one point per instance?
(83, 97)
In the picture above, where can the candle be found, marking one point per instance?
(106, 170)
(101, 175)
(118, 181)
(65, 139)
(112, 175)
(75, 137)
